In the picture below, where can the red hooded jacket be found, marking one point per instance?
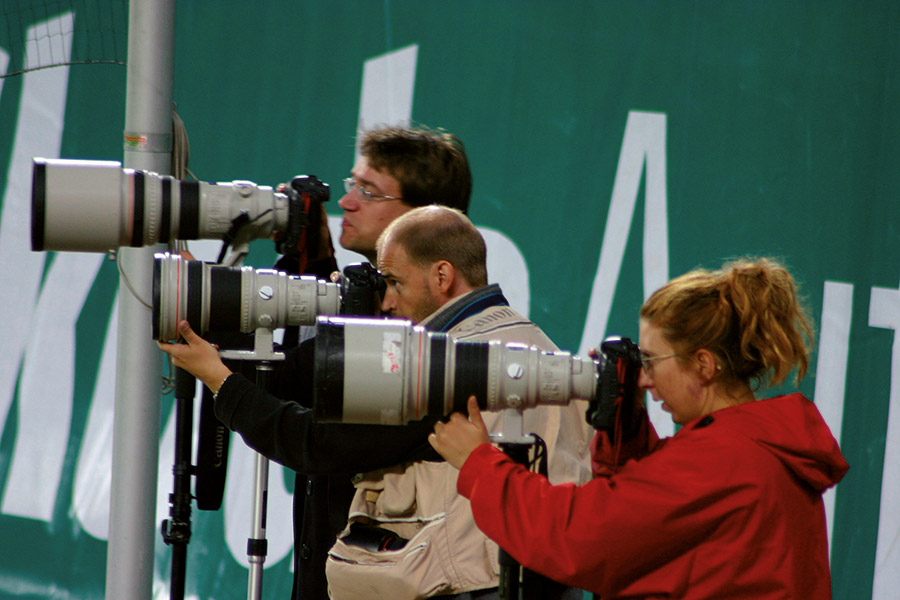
(729, 507)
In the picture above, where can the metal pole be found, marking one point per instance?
(148, 146)
(257, 543)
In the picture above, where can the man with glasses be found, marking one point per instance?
(398, 169)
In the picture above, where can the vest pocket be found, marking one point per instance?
(363, 571)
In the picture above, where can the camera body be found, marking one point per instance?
(618, 372)
(362, 288)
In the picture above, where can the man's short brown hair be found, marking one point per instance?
(430, 165)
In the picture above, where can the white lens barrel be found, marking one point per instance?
(521, 376)
(219, 298)
(385, 360)
(221, 203)
(275, 299)
(77, 205)
(97, 206)
(391, 372)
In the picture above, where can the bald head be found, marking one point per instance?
(430, 234)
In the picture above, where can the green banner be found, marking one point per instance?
(613, 145)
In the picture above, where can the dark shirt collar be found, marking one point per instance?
(459, 309)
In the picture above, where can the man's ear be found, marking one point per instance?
(444, 276)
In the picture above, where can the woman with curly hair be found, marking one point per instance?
(730, 506)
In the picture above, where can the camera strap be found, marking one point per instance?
(212, 456)
(539, 458)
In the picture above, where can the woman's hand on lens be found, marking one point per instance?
(456, 439)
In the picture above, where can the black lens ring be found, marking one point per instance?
(436, 374)
(328, 376)
(157, 273)
(225, 295)
(194, 309)
(38, 204)
(471, 374)
(165, 221)
(137, 217)
(189, 212)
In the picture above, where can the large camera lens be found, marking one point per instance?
(217, 298)
(390, 372)
(116, 207)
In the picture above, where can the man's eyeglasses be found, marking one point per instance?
(647, 361)
(364, 194)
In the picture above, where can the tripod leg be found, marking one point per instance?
(510, 570)
(178, 573)
(257, 544)
(508, 588)
(176, 531)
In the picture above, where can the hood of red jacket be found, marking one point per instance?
(791, 429)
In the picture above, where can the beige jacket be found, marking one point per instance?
(446, 553)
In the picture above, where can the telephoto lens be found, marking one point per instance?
(97, 206)
(389, 372)
(217, 298)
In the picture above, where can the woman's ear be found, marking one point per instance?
(707, 366)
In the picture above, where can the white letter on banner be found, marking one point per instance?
(506, 266)
(644, 142)
(91, 492)
(884, 311)
(387, 89)
(45, 402)
(4, 61)
(831, 367)
(38, 133)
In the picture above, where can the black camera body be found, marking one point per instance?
(618, 373)
(305, 193)
(362, 288)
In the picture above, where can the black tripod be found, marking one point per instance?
(176, 530)
(517, 582)
(264, 355)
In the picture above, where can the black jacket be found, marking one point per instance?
(324, 456)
